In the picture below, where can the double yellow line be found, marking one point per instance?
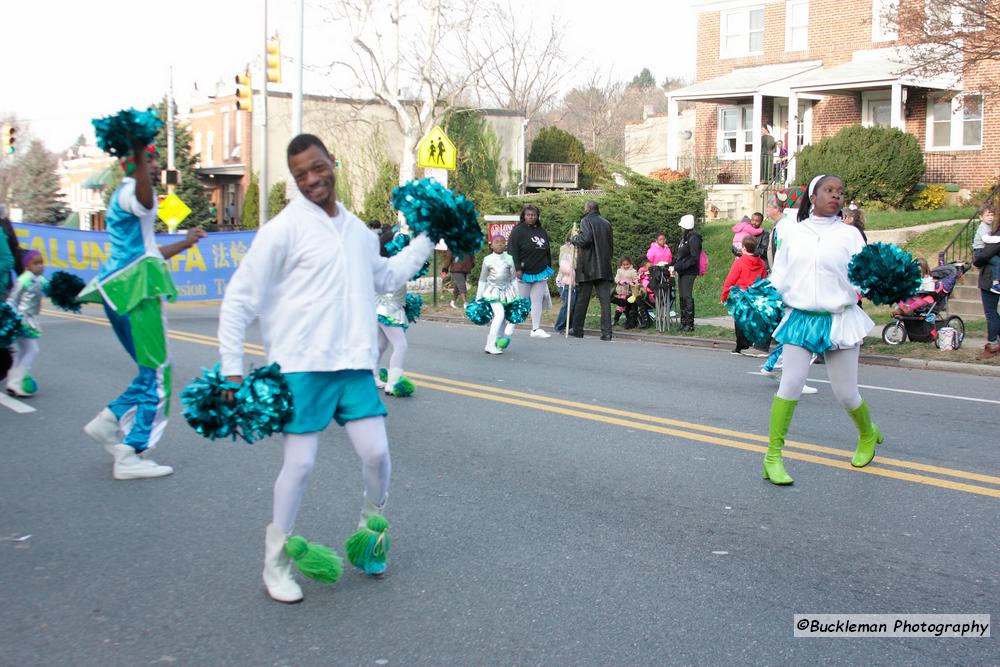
(946, 478)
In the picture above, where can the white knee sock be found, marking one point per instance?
(25, 351)
(842, 369)
(300, 458)
(397, 337)
(372, 446)
(794, 372)
(497, 324)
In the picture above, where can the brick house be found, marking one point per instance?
(818, 66)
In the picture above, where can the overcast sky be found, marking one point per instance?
(67, 62)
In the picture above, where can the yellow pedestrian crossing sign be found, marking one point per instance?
(436, 151)
(172, 211)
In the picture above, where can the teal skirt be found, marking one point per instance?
(807, 329)
(340, 396)
(537, 277)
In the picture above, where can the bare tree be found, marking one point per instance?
(417, 57)
(949, 37)
(593, 112)
(526, 63)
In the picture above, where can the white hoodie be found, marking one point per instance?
(311, 279)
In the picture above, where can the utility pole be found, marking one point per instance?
(297, 91)
(170, 135)
(263, 129)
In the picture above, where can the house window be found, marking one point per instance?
(876, 108)
(885, 20)
(197, 145)
(210, 149)
(955, 123)
(797, 25)
(946, 17)
(742, 32)
(735, 131)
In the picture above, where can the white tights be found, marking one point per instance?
(396, 337)
(25, 351)
(497, 323)
(536, 292)
(841, 367)
(371, 445)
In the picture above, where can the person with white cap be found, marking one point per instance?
(687, 264)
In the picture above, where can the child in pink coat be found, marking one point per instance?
(659, 251)
(752, 226)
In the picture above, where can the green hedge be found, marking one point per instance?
(877, 163)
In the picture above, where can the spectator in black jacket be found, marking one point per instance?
(14, 250)
(593, 269)
(990, 299)
(687, 260)
(529, 247)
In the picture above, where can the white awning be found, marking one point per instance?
(772, 80)
(879, 68)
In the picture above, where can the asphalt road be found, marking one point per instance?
(570, 502)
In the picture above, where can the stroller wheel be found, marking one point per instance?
(956, 323)
(894, 333)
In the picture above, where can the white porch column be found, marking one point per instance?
(672, 117)
(896, 107)
(758, 119)
(793, 134)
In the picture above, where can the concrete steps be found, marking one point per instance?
(964, 299)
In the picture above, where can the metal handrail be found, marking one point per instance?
(962, 241)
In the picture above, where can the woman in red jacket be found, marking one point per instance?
(746, 269)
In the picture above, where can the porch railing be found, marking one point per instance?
(553, 175)
(960, 247)
(713, 170)
(939, 167)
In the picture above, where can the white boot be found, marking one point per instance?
(15, 383)
(392, 379)
(104, 429)
(129, 465)
(278, 578)
(370, 509)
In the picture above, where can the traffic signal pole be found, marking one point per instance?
(263, 129)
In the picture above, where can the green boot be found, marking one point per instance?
(869, 435)
(781, 418)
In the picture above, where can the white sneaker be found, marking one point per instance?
(452, 304)
(493, 349)
(809, 390)
(540, 333)
(104, 430)
(771, 374)
(129, 465)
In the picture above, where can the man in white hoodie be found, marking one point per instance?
(311, 276)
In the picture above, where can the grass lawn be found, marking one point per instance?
(897, 219)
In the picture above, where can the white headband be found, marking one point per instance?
(813, 182)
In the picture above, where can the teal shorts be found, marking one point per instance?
(344, 396)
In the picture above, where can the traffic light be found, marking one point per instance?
(273, 60)
(9, 137)
(244, 92)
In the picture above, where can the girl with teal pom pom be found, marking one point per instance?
(496, 286)
(26, 300)
(821, 316)
(391, 311)
(310, 277)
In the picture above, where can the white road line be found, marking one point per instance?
(905, 391)
(14, 404)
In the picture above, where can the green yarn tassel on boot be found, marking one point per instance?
(368, 549)
(404, 387)
(782, 411)
(315, 560)
(869, 435)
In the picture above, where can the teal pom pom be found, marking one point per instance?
(884, 273)
(404, 387)
(63, 289)
(262, 405)
(433, 209)
(517, 311)
(315, 561)
(503, 342)
(383, 375)
(265, 403)
(11, 327)
(400, 241)
(118, 134)
(757, 311)
(28, 385)
(479, 312)
(204, 408)
(414, 304)
(368, 549)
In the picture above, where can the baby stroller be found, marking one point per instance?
(921, 326)
(662, 284)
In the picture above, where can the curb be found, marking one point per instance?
(715, 344)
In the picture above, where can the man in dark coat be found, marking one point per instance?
(594, 270)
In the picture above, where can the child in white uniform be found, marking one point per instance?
(496, 285)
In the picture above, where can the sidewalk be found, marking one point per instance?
(652, 336)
